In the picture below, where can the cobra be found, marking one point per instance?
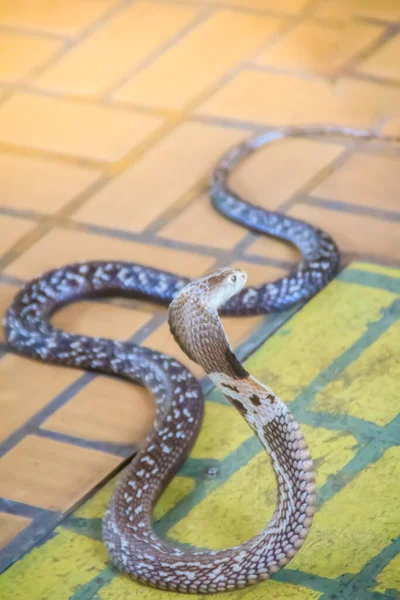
(193, 316)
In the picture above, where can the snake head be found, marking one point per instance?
(194, 321)
(221, 285)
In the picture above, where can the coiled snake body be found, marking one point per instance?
(194, 322)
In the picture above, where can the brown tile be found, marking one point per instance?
(277, 99)
(70, 128)
(193, 64)
(12, 229)
(23, 396)
(123, 43)
(271, 248)
(366, 180)
(167, 171)
(200, 223)
(277, 171)
(354, 233)
(385, 61)
(392, 127)
(7, 293)
(259, 274)
(60, 247)
(341, 9)
(10, 526)
(238, 330)
(108, 410)
(40, 185)
(51, 474)
(57, 17)
(319, 47)
(162, 340)
(290, 7)
(100, 320)
(19, 54)
(336, 11)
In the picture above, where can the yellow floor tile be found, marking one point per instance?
(271, 248)
(23, 396)
(58, 18)
(162, 341)
(66, 127)
(10, 526)
(238, 510)
(12, 229)
(100, 320)
(365, 180)
(374, 237)
(376, 268)
(177, 490)
(122, 589)
(215, 443)
(259, 274)
(384, 62)
(107, 409)
(263, 180)
(52, 474)
(389, 578)
(188, 68)
(392, 127)
(318, 47)
(289, 363)
(49, 580)
(158, 179)
(200, 223)
(290, 7)
(345, 512)
(40, 185)
(131, 36)
(95, 506)
(388, 10)
(7, 293)
(61, 246)
(238, 330)
(19, 54)
(365, 389)
(282, 99)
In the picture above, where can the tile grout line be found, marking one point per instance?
(347, 207)
(349, 67)
(69, 43)
(180, 120)
(202, 16)
(20, 30)
(73, 204)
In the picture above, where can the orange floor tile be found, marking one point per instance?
(113, 114)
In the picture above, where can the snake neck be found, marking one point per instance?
(198, 331)
(280, 436)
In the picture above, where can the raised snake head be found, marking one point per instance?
(195, 324)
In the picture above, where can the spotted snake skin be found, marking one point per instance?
(127, 531)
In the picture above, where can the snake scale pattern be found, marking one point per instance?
(194, 321)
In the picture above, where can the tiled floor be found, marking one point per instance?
(112, 116)
(340, 364)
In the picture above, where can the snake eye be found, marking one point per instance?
(233, 279)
